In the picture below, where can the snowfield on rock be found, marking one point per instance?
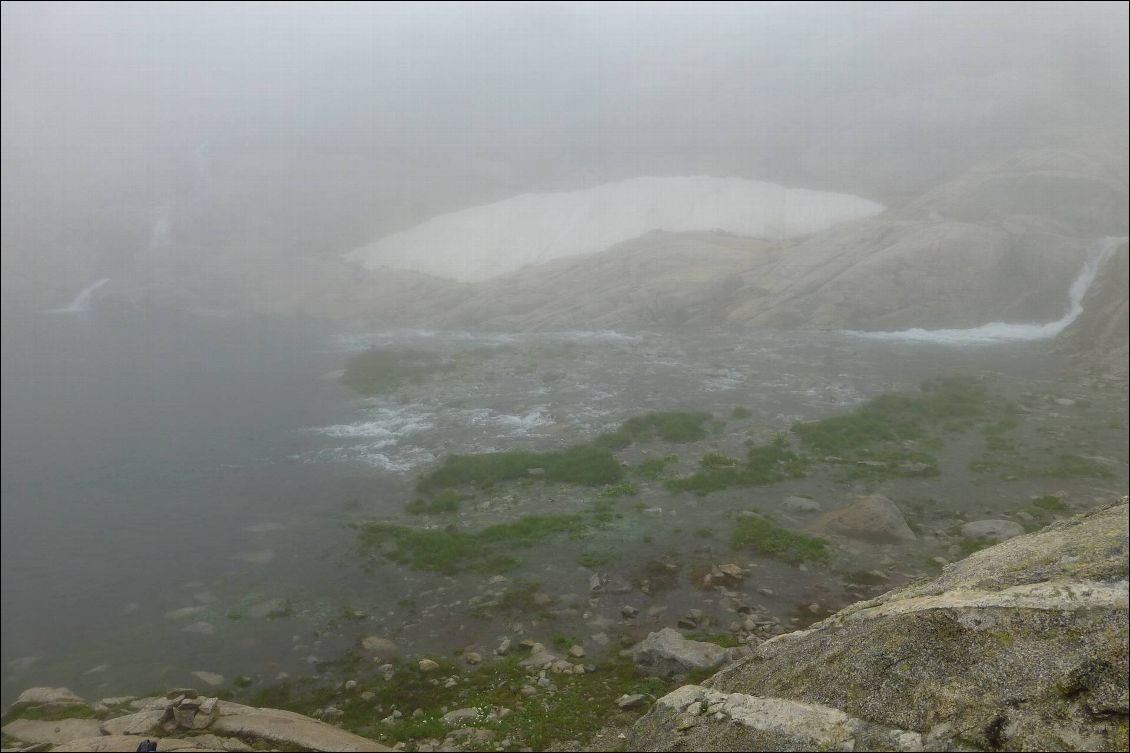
(483, 242)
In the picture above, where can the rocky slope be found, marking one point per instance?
(1022, 646)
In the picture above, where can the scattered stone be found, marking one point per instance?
(472, 657)
(427, 665)
(629, 612)
(632, 701)
(577, 652)
(503, 648)
(765, 591)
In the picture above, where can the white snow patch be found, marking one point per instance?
(482, 242)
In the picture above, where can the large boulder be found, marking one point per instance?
(872, 518)
(43, 697)
(668, 654)
(1022, 646)
(996, 530)
(286, 729)
(35, 732)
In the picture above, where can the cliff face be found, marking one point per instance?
(1022, 646)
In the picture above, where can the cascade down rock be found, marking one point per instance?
(1022, 646)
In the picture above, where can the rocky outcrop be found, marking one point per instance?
(1022, 646)
(182, 720)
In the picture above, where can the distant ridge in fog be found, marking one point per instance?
(483, 242)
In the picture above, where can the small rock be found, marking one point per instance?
(629, 611)
(576, 651)
(375, 644)
(427, 665)
(632, 701)
(200, 628)
(472, 657)
(503, 648)
(210, 678)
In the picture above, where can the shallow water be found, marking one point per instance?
(162, 463)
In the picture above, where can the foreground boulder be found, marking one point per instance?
(668, 654)
(872, 518)
(177, 722)
(1022, 646)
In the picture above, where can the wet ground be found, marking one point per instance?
(290, 586)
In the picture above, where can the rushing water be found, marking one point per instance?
(998, 332)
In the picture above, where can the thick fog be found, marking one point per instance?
(314, 129)
(383, 362)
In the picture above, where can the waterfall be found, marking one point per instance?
(161, 236)
(998, 332)
(81, 303)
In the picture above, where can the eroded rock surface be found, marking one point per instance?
(1022, 646)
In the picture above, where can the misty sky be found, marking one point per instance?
(321, 126)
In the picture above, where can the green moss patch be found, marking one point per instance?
(771, 540)
(581, 464)
(450, 551)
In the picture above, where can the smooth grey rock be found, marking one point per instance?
(995, 530)
(35, 732)
(667, 653)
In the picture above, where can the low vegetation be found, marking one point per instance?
(580, 706)
(451, 551)
(670, 426)
(764, 464)
(943, 404)
(771, 540)
(580, 464)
